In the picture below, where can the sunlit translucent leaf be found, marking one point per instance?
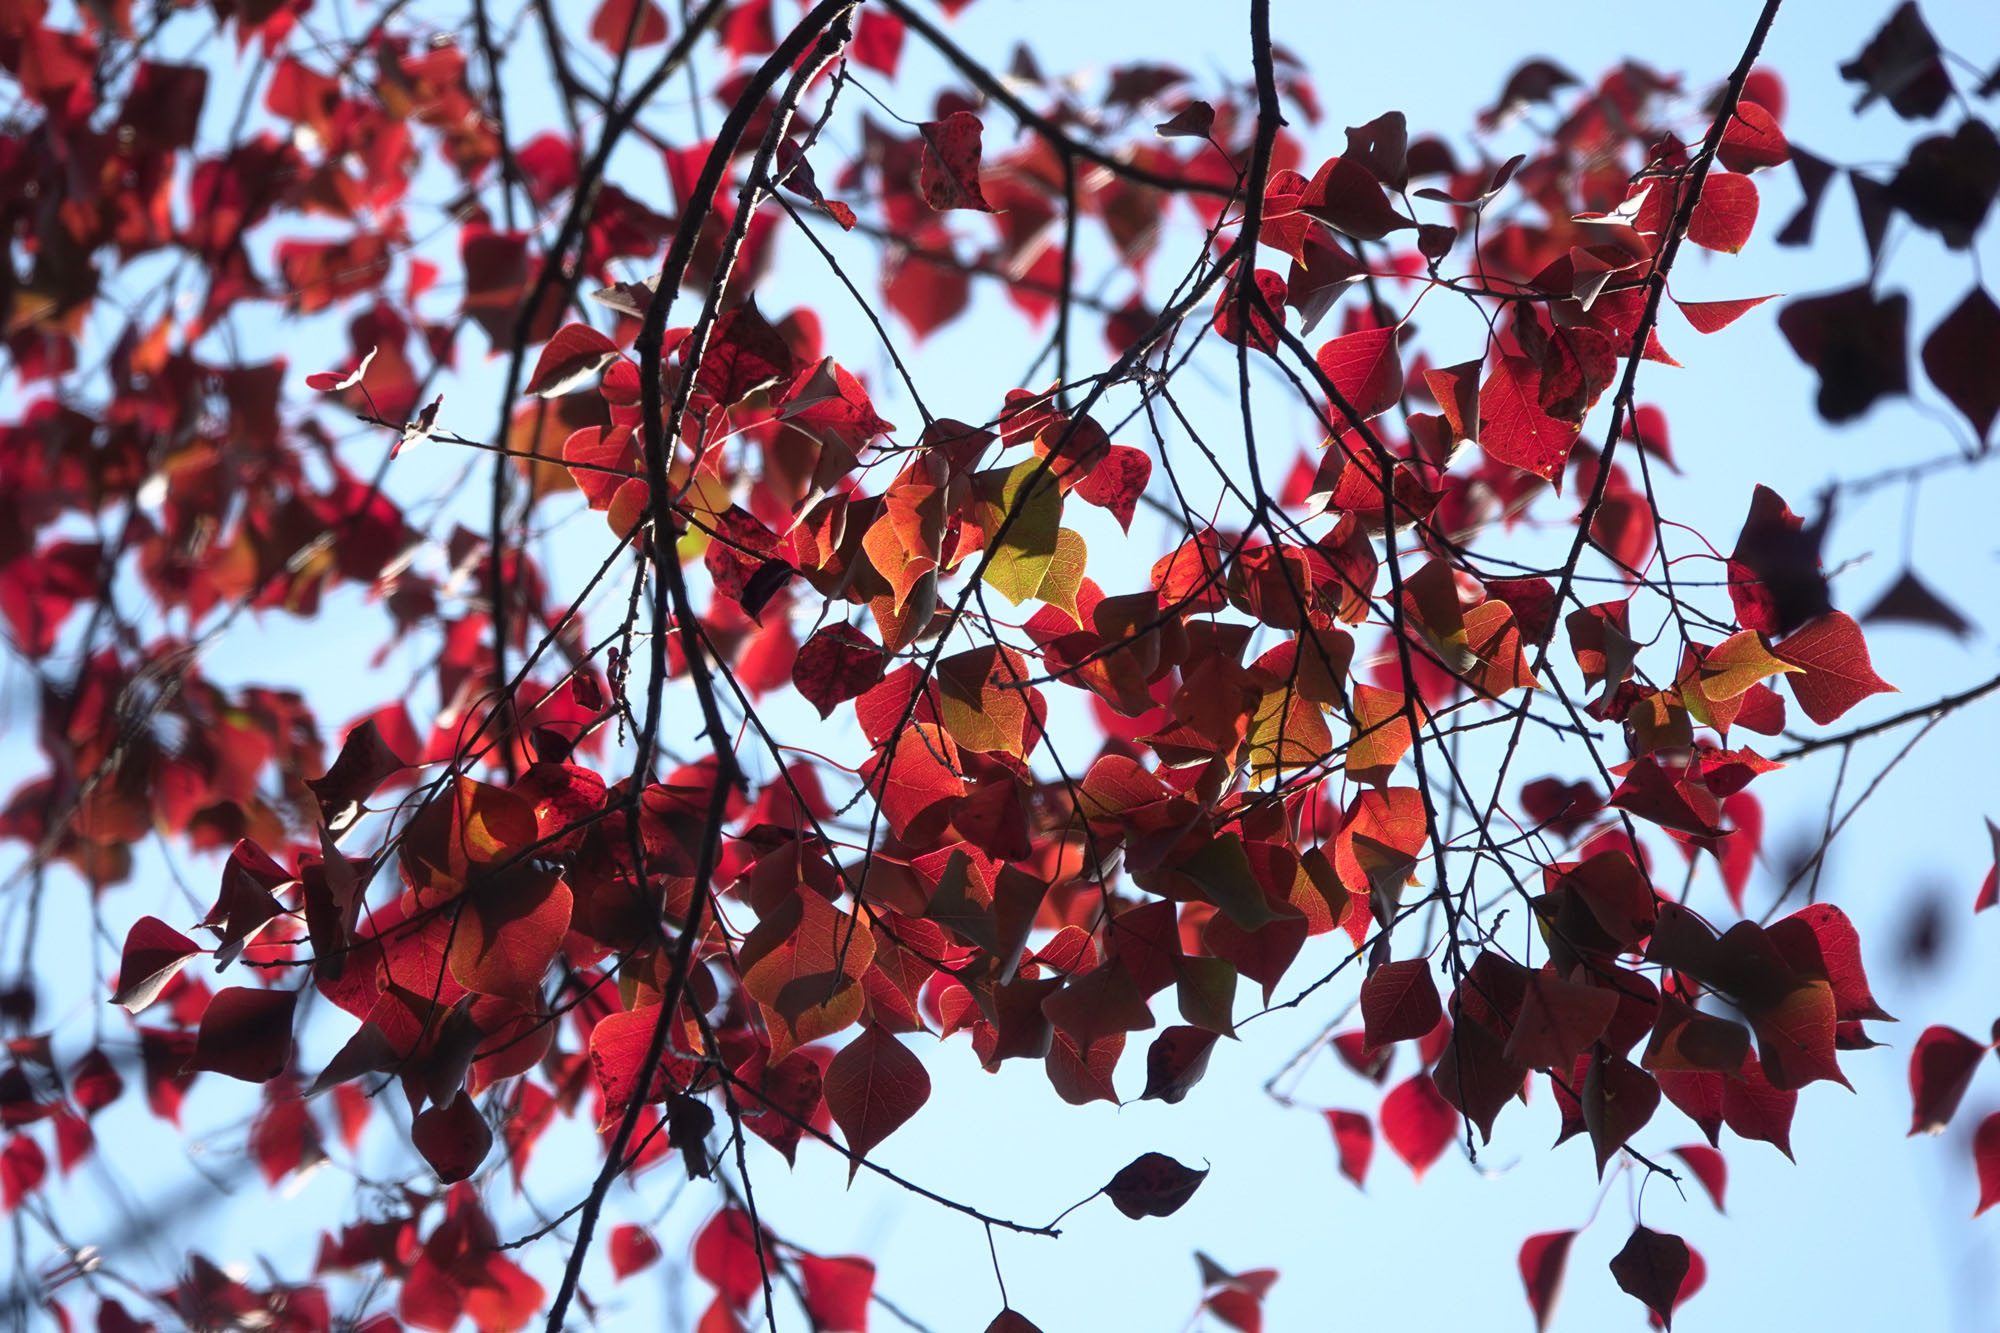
(950, 173)
(1026, 549)
(873, 1085)
(1834, 671)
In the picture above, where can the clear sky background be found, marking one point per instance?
(1868, 1230)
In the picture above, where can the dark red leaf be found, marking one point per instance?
(1902, 63)
(1176, 1061)
(154, 954)
(1697, 1274)
(1941, 1069)
(1153, 1185)
(1192, 121)
(1962, 357)
(575, 354)
(1011, 1321)
(366, 761)
(1859, 345)
(1948, 182)
(1399, 1002)
(1651, 1268)
(1986, 1161)
(246, 1033)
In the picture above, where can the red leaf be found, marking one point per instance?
(1697, 1274)
(1652, 1267)
(1229, 311)
(1835, 672)
(1354, 1139)
(927, 291)
(366, 761)
(1755, 1109)
(1011, 1321)
(1856, 341)
(1176, 1061)
(1752, 140)
(837, 1291)
(1117, 482)
(1989, 888)
(1714, 316)
(1821, 938)
(1559, 1020)
(1153, 1185)
(246, 1033)
(1192, 121)
(453, 1137)
(1513, 428)
(1618, 1099)
(836, 664)
(1346, 196)
(618, 1044)
(1708, 1168)
(1941, 1069)
(1986, 1160)
(154, 954)
(284, 1136)
(95, 1082)
(1775, 580)
(878, 41)
(616, 27)
(726, 1258)
(509, 929)
(333, 381)
(1399, 1002)
(873, 1085)
(23, 1167)
(1418, 1122)
(949, 176)
(575, 354)
(1543, 1260)
(1366, 368)
(1962, 357)
(1727, 212)
(632, 1249)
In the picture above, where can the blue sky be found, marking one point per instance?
(1867, 1230)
